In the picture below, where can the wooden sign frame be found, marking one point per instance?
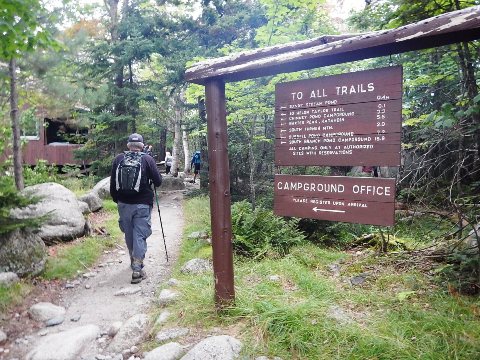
(341, 120)
(363, 200)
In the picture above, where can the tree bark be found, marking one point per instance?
(204, 167)
(186, 151)
(17, 149)
(176, 137)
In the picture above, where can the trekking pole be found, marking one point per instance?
(161, 225)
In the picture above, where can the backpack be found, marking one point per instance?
(196, 158)
(128, 176)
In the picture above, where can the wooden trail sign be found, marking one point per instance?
(336, 198)
(347, 119)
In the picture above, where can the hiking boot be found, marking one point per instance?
(138, 276)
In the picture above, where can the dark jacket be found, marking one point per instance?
(145, 195)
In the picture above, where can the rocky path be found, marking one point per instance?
(102, 298)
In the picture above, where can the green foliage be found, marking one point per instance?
(20, 28)
(461, 272)
(258, 232)
(41, 173)
(13, 294)
(10, 198)
(74, 257)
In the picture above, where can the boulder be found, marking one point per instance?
(170, 351)
(65, 219)
(215, 347)
(131, 333)
(84, 208)
(22, 252)
(102, 189)
(172, 183)
(65, 345)
(93, 200)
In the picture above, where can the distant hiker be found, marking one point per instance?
(168, 162)
(131, 177)
(148, 150)
(196, 164)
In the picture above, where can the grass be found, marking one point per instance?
(14, 294)
(78, 256)
(398, 313)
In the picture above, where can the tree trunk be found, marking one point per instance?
(204, 180)
(251, 155)
(186, 151)
(162, 144)
(17, 150)
(176, 138)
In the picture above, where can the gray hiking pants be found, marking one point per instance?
(135, 222)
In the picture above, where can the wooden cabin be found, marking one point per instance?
(52, 140)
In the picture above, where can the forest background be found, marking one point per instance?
(117, 67)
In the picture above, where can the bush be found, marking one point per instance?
(42, 173)
(10, 198)
(259, 232)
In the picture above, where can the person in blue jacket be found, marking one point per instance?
(195, 163)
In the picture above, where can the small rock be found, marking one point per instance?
(88, 275)
(69, 286)
(196, 266)
(44, 311)
(358, 280)
(88, 286)
(121, 252)
(128, 291)
(197, 235)
(8, 278)
(167, 297)
(274, 278)
(173, 282)
(170, 351)
(114, 327)
(172, 333)
(55, 321)
(215, 347)
(334, 269)
(163, 317)
(3, 336)
(75, 318)
(100, 357)
(339, 315)
(133, 349)
(43, 332)
(125, 353)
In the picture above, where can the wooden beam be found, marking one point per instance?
(220, 199)
(453, 27)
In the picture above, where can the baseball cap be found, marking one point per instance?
(135, 138)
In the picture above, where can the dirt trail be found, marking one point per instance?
(93, 300)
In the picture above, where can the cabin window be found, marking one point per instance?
(65, 131)
(29, 125)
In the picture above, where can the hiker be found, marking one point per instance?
(148, 150)
(168, 162)
(195, 163)
(131, 177)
